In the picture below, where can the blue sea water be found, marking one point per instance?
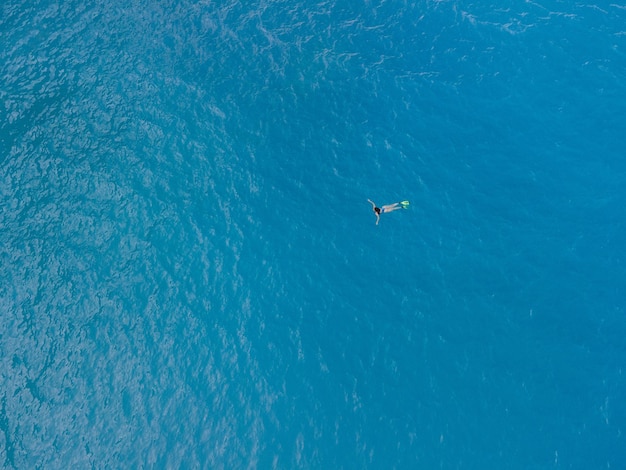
(191, 275)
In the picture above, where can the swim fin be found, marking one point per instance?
(405, 204)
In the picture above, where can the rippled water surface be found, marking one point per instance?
(191, 275)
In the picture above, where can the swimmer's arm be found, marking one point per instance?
(374, 209)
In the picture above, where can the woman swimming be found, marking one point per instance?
(387, 208)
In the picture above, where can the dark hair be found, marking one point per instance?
(377, 210)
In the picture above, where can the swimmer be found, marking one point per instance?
(388, 208)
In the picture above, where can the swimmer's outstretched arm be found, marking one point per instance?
(374, 209)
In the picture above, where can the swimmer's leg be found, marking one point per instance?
(392, 207)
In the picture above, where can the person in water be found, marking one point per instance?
(388, 208)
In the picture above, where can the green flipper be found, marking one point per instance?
(405, 204)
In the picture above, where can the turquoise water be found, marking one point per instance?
(191, 275)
